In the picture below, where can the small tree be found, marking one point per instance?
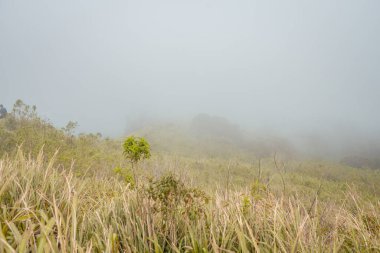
(136, 149)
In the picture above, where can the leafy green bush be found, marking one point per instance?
(171, 196)
(258, 189)
(136, 149)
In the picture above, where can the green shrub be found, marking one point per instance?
(171, 196)
(127, 176)
(258, 189)
(136, 149)
(245, 204)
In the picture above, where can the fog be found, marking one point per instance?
(307, 70)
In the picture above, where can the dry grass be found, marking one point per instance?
(49, 209)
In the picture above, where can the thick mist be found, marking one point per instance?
(306, 70)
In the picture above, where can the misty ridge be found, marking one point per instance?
(209, 135)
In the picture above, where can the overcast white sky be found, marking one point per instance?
(282, 65)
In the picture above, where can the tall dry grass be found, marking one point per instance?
(45, 208)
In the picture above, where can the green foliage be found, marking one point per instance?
(136, 149)
(127, 176)
(246, 204)
(258, 189)
(23, 127)
(171, 195)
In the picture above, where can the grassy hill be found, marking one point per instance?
(201, 191)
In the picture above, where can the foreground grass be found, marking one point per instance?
(45, 208)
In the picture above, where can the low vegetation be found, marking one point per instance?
(62, 192)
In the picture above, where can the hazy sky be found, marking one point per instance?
(282, 65)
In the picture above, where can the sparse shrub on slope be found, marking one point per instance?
(135, 150)
(24, 127)
(171, 196)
